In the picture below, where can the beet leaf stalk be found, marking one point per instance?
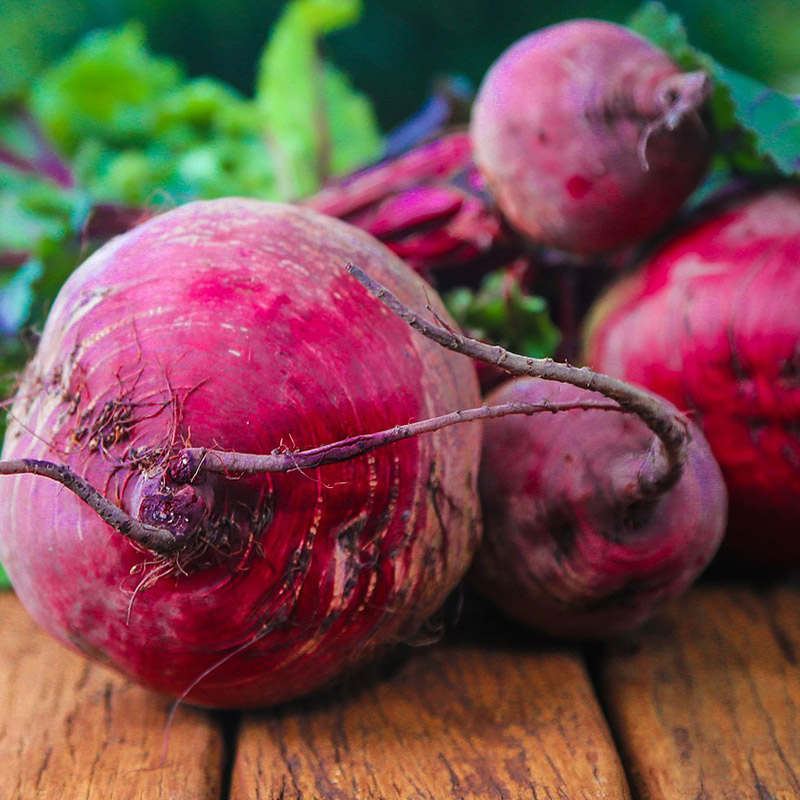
(661, 469)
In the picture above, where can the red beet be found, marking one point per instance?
(589, 136)
(568, 548)
(232, 324)
(711, 322)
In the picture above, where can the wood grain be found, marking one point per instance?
(705, 703)
(69, 729)
(452, 721)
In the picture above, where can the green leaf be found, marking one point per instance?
(666, 30)
(771, 118)
(758, 126)
(137, 131)
(501, 312)
(17, 296)
(108, 87)
(315, 122)
(5, 583)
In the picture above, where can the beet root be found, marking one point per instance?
(232, 324)
(590, 137)
(570, 547)
(711, 323)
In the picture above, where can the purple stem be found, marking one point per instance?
(46, 163)
(12, 259)
(17, 162)
(48, 160)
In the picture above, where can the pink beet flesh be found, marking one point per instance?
(711, 322)
(589, 137)
(233, 324)
(567, 550)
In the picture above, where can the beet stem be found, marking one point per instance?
(48, 161)
(194, 460)
(149, 537)
(659, 472)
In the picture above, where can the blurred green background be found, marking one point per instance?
(397, 48)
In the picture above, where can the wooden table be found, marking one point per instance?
(701, 705)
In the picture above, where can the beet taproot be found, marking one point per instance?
(590, 522)
(570, 547)
(232, 324)
(711, 322)
(589, 136)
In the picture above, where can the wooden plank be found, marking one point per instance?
(70, 730)
(462, 720)
(705, 702)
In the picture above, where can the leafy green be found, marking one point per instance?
(109, 87)
(136, 130)
(500, 311)
(758, 127)
(132, 129)
(316, 124)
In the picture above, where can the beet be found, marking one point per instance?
(589, 136)
(711, 323)
(568, 548)
(232, 324)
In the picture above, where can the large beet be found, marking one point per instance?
(232, 324)
(711, 322)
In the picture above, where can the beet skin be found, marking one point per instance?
(232, 324)
(712, 322)
(569, 548)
